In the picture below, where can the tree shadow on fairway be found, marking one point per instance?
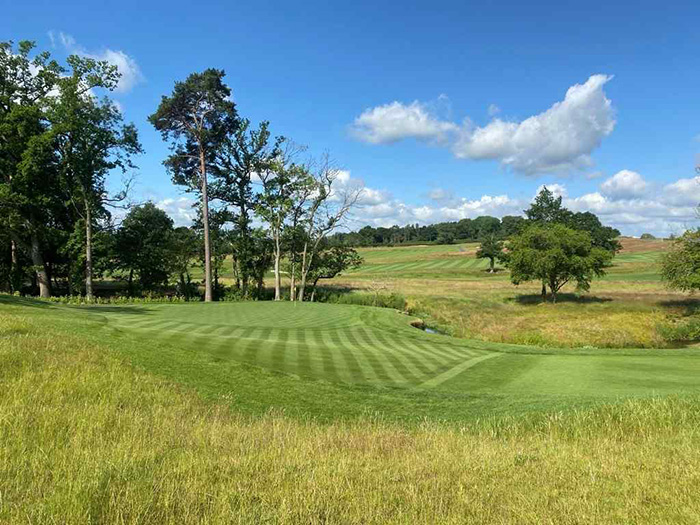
(125, 309)
(529, 299)
(11, 300)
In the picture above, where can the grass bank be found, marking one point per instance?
(88, 437)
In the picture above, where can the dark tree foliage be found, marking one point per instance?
(680, 267)
(331, 262)
(144, 248)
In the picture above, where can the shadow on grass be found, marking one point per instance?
(12, 300)
(690, 305)
(561, 298)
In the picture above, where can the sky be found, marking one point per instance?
(442, 110)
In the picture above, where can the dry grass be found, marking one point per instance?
(84, 438)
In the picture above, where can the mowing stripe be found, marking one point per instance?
(409, 353)
(380, 356)
(352, 365)
(391, 357)
(376, 369)
(325, 356)
(456, 370)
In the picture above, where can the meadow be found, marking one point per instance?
(337, 413)
(447, 286)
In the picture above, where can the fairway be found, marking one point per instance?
(347, 344)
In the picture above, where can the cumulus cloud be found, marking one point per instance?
(623, 185)
(683, 192)
(180, 210)
(396, 121)
(126, 65)
(493, 110)
(558, 140)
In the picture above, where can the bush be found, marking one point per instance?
(391, 300)
(683, 330)
(117, 299)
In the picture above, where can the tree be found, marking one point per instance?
(29, 193)
(244, 154)
(331, 262)
(91, 141)
(184, 252)
(555, 255)
(491, 248)
(511, 225)
(144, 247)
(680, 267)
(547, 209)
(647, 237)
(329, 204)
(196, 118)
(285, 184)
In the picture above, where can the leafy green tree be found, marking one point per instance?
(555, 255)
(331, 262)
(680, 267)
(91, 140)
(511, 225)
(144, 247)
(29, 193)
(491, 248)
(196, 119)
(244, 154)
(647, 237)
(185, 243)
(285, 186)
(547, 209)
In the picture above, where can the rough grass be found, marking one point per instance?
(450, 288)
(87, 438)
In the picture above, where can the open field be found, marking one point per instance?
(451, 289)
(248, 413)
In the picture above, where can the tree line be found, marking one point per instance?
(262, 203)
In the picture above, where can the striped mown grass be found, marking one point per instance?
(85, 437)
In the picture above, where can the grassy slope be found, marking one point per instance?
(87, 438)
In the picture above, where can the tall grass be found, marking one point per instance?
(85, 438)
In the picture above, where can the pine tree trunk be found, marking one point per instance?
(544, 292)
(88, 252)
(205, 217)
(42, 277)
(492, 265)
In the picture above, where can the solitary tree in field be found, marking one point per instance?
(196, 118)
(491, 248)
(680, 267)
(555, 255)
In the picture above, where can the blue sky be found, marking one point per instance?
(443, 110)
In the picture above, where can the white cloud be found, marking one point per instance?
(683, 192)
(493, 110)
(180, 210)
(559, 140)
(396, 121)
(127, 66)
(559, 190)
(624, 184)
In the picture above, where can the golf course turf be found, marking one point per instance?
(337, 361)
